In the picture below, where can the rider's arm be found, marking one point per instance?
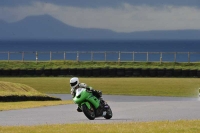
(89, 88)
(73, 92)
(84, 85)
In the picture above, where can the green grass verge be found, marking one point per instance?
(30, 104)
(89, 64)
(181, 87)
(181, 126)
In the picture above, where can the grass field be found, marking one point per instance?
(181, 126)
(181, 87)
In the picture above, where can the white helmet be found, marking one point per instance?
(74, 82)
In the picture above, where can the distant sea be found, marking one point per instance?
(103, 45)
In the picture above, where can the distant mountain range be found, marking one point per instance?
(47, 27)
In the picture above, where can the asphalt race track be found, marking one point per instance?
(125, 109)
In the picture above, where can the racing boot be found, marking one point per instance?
(104, 103)
(79, 109)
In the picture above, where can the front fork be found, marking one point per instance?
(86, 103)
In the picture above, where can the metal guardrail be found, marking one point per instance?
(119, 56)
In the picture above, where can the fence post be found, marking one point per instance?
(23, 56)
(50, 55)
(133, 56)
(8, 56)
(147, 56)
(174, 56)
(119, 57)
(64, 56)
(36, 56)
(91, 56)
(188, 57)
(77, 56)
(160, 57)
(105, 55)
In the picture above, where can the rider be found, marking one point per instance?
(75, 84)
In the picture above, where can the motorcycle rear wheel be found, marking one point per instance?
(108, 113)
(89, 113)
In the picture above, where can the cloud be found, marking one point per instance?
(125, 18)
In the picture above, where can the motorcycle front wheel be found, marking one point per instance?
(89, 113)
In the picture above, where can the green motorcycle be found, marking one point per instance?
(91, 106)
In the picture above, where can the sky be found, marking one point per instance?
(116, 15)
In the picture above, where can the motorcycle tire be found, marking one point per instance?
(89, 113)
(108, 113)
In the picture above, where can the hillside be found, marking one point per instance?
(46, 27)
